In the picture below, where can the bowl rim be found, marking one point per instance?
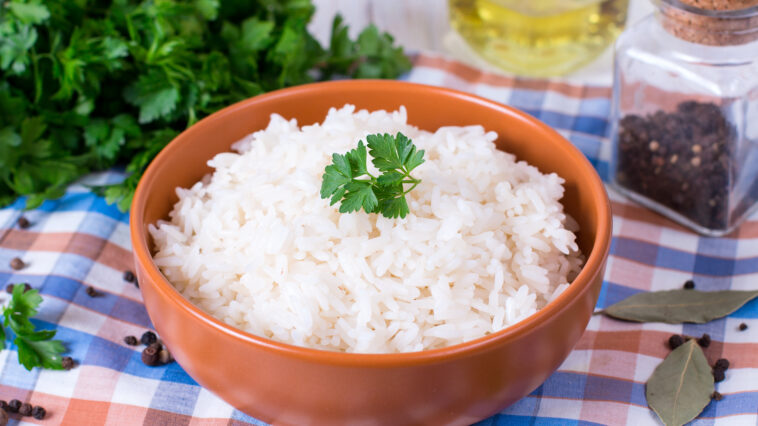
(165, 290)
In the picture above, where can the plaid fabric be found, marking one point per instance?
(80, 241)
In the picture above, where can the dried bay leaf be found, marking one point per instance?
(678, 306)
(681, 386)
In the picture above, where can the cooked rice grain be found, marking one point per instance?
(485, 245)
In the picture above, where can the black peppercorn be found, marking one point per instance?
(91, 292)
(164, 356)
(148, 338)
(689, 285)
(743, 326)
(23, 222)
(717, 396)
(38, 412)
(25, 409)
(718, 375)
(16, 263)
(131, 340)
(150, 355)
(13, 406)
(675, 341)
(705, 340)
(721, 364)
(129, 276)
(136, 283)
(9, 288)
(67, 362)
(680, 159)
(3, 404)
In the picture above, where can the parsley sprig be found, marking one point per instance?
(86, 85)
(394, 156)
(35, 347)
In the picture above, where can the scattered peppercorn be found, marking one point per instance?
(129, 276)
(721, 364)
(150, 355)
(689, 285)
(14, 405)
(25, 409)
(165, 356)
(16, 263)
(91, 292)
(136, 283)
(717, 396)
(705, 340)
(131, 340)
(23, 222)
(675, 341)
(67, 362)
(148, 338)
(9, 288)
(38, 412)
(743, 326)
(3, 404)
(718, 375)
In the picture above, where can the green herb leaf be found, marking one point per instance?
(394, 207)
(29, 13)
(357, 159)
(394, 156)
(333, 180)
(679, 306)
(24, 302)
(35, 349)
(155, 96)
(384, 150)
(359, 194)
(208, 8)
(39, 353)
(681, 386)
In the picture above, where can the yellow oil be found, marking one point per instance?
(538, 37)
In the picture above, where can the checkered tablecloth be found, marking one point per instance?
(80, 241)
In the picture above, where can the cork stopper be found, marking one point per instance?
(711, 22)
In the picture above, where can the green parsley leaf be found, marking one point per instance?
(154, 94)
(394, 156)
(39, 352)
(358, 194)
(22, 302)
(35, 347)
(29, 13)
(394, 207)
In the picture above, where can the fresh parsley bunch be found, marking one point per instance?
(35, 347)
(394, 156)
(89, 84)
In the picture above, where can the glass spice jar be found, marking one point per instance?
(684, 112)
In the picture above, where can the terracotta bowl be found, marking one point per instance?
(284, 384)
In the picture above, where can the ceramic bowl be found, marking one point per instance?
(285, 384)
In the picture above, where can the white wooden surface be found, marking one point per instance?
(422, 25)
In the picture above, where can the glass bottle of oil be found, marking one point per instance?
(538, 37)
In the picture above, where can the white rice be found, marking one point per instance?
(486, 243)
